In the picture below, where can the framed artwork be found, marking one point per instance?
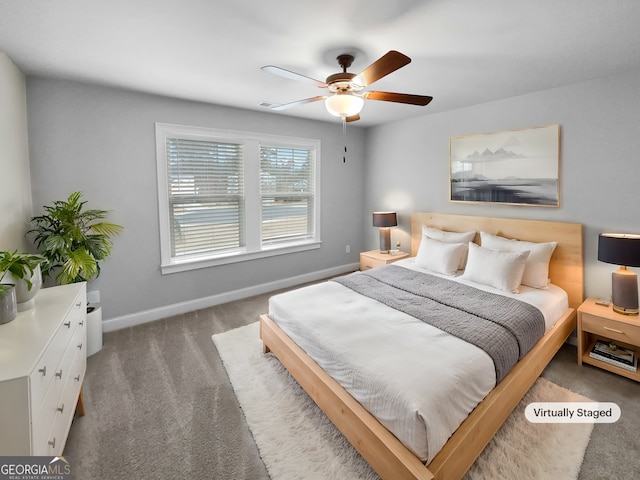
(515, 167)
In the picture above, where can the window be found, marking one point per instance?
(287, 194)
(206, 204)
(233, 196)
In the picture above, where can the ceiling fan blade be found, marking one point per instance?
(388, 63)
(285, 106)
(352, 118)
(292, 75)
(398, 98)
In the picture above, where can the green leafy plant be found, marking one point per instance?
(73, 239)
(20, 265)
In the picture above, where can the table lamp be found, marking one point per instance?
(384, 220)
(622, 249)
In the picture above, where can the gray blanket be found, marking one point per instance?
(503, 327)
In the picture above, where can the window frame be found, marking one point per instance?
(253, 248)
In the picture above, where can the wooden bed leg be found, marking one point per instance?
(265, 347)
(80, 404)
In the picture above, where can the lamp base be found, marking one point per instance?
(624, 291)
(385, 239)
(625, 311)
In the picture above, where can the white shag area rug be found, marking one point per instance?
(297, 441)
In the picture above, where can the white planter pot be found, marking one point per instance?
(94, 330)
(24, 296)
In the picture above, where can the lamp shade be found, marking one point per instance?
(385, 219)
(343, 104)
(619, 249)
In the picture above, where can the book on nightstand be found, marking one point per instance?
(618, 356)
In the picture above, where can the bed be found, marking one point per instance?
(389, 456)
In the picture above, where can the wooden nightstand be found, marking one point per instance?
(374, 259)
(597, 322)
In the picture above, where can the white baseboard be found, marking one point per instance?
(154, 314)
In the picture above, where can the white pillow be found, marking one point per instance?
(502, 270)
(450, 237)
(536, 270)
(440, 256)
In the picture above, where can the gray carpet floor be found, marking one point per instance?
(159, 405)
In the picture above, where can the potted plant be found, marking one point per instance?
(73, 239)
(24, 272)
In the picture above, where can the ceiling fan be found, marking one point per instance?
(345, 91)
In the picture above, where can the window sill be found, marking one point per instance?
(227, 258)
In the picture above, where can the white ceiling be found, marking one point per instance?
(464, 52)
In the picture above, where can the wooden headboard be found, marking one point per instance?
(565, 268)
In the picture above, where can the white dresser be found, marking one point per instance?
(42, 366)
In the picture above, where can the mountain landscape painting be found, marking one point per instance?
(517, 167)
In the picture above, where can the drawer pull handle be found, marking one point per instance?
(43, 371)
(77, 378)
(60, 409)
(52, 442)
(80, 346)
(81, 323)
(67, 324)
(59, 374)
(614, 330)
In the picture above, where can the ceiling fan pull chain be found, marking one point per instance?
(344, 135)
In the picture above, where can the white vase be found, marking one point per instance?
(24, 296)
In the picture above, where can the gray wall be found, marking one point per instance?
(101, 141)
(600, 162)
(15, 183)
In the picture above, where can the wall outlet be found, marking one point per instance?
(348, 249)
(93, 297)
(398, 244)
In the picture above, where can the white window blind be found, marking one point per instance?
(206, 196)
(287, 194)
(226, 196)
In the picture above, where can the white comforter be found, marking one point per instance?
(418, 381)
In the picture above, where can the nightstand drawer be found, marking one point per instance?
(612, 329)
(367, 263)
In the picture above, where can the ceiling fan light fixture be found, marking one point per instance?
(344, 104)
(344, 96)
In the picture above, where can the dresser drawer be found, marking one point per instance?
(42, 376)
(66, 406)
(77, 313)
(67, 376)
(42, 422)
(79, 365)
(47, 366)
(614, 330)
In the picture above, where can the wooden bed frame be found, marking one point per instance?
(381, 449)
